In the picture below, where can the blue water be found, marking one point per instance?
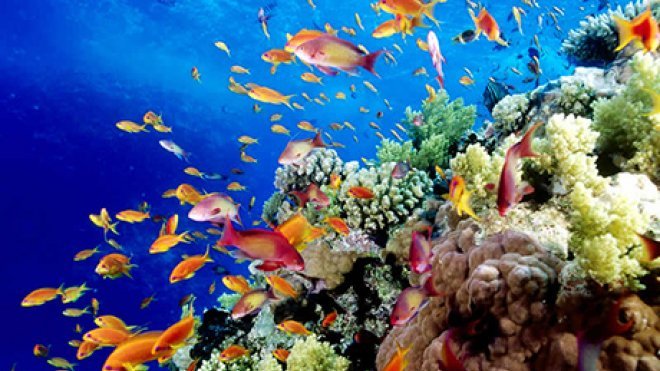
(70, 69)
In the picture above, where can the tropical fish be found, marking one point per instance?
(135, 352)
(307, 126)
(459, 196)
(103, 220)
(335, 181)
(73, 293)
(327, 52)
(263, 18)
(300, 38)
(642, 30)
(236, 283)
(436, 57)
(516, 11)
(150, 118)
(132, 216)
(277, 57)
(131, 127)
(401, 169)
(215, 208)
(338, 225)
(250, 303)
(193, 171)
(106, 336)
(293, 327)
(329, 319)
(281, 286)
(410, 7)
(187, 268)
(147, 301)
(194, 72)
(95, 306)
(233, 352)
(268, 95)
(297, 150)
(486, 24)
(275, 117)
(236, 186)
(114, 266)
(651, 249)
(75, 312)
(281, 354)
(420, 252)
(466, 81)
(222, 46)
(279, 129)
(175, 336)
(110, 321)
(85, 254)
(167, 241)
(175, 149)
(40, 350)
(465, 37)
(311, 78)
(360, 192)
(508, 192)
(398, 362)
(312, 194)
(408, 304)
(299, 232)
(61, 363)
(269, 246)
(239, 69)
(86, 349)
(448, 358)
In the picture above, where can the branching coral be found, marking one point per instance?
(316, 168)
(392, 151)
(394, 199)
(313, 355)
(575, 97)
(510, 114)
(597, 37)
(478, 168)
(626, 129)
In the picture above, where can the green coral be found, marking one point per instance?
(576, 97)
(269, 363)
(228, 300)
(443, 124)
(313, 355)
(479, 168)
(623, 123)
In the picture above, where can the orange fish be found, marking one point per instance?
(147, 301)
(95, 306)
(175, 336)
(40, 350)
(312, 194)
(299, 232)
(293, 327)
(300, 38)
(277, 57)
(643, 31)
(85, 254)
(41, 296)
(114, 266)
(135, 352)
(167, 241)
(250, 303)
(106, 336)
(281, 354)
(486, 24)
(409, 7)
(73, 293)
(335, 181)
(195, 74)
(233, 352)
(110, 321)
(281, 286)
(297, 150)
(187, 268)
(338, 225)
(132, 216)
(268, 95)
(329, 319)
(171, 225)
(236, 283)
(459, 196)
(86, 349)
(360, 192)
(398, 362)
(328, 52)
(150, 118)
(188, 194)
(651, 249)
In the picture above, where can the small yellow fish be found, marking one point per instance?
(275, 117)
(421, 71)
(349, 125)
(222, 46)
(311, 3)
(131, 127)
(162, 128)
(193, 172)
(421, 44)
(324, 97)
(306, 96)
(311, 78)
(466, 81)
(348, 30)
(364, 109)
(75, 312)
(236, 186)
(329, 29)
(319, 102)
(340, 95)
(279, 129)
(240, 70)
(370, 86)
(245, 139)
(297, 106)
(247, 158)
(374, 125)
(358, 21)
(307, 126)
(397, 47)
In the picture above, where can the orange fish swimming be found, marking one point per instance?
(251, 302)
(281, 354)
(167, 241)
(132, 216)
(106, 336)
(233, 352)
(194, 72)
(360, 192)
(86, 349)
(40, 350)
(175, 336)
(299, 232)
(398, 362)
(85, 254)
(409, 7)
(150, 118)
(277, 57)
(338, 225)
(459, 196)
(134, 352)
(293, 327)
(486, 24)
(313, 194)
(329, 319)
(236, 283)
(281, 286)
(41, 296)
(643, 31)
(268, 95)
(110, 321)
(73, 293)
(300, 38)
(187, 268)
(114, 266)
(297, 150)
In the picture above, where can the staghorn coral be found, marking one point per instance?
(313, 355)
(625, 129)
(316, 168)
(507, 282)
(596, 38)
(510, 114)
(394, 199)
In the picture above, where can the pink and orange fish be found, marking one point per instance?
(297, 150)
(312, 194)
(329, 53)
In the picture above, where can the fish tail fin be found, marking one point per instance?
(286, 102)
(441, 81)
(428, 10)
(113, 228)
(369, 61)
(206, 255)
(318, 140)
(626, 34)
(525, 144)
(229, 235)
(477, 30)
(417, 22)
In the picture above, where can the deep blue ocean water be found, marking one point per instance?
(70, 69)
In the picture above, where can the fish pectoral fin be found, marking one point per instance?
(327, 70)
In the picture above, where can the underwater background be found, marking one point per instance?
(69, 70)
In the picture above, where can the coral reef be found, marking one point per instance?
(315, 168)
(313, 355)
(510, 113)
(596, 38)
